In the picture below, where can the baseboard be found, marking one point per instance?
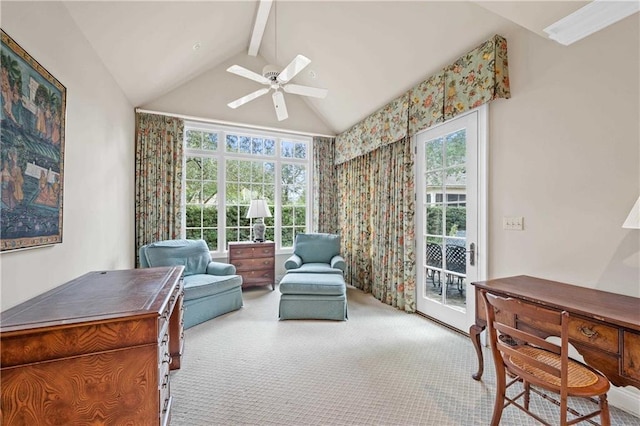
(625, 399)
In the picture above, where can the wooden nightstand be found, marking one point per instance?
(255, 262)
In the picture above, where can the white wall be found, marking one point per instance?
(99, 158)
(565, 154)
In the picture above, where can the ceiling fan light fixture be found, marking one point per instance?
(270, 71)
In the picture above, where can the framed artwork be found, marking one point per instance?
(32, 123)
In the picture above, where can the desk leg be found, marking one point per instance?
(474, 334)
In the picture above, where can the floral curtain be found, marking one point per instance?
(325, 190)
(393, 231)
(377, 223)
(158, 178)
(375, 175)
(354, 189)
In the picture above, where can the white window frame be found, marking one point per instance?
(221, 156)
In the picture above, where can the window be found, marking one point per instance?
(225, 168)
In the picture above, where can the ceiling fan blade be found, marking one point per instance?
(290, 71)
(243, 72)
(297, 89)
(243, 100)
(281, 107)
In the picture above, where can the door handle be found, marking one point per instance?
(472, 254)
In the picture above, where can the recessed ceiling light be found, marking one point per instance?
(196, 45)
(591, 18)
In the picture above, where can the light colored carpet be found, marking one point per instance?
(381, 367)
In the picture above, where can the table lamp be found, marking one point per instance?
(633, 220)
(258, 210)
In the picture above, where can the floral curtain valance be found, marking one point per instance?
(476, 78)
(427, 104)
(387, 125)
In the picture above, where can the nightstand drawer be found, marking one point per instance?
(255, 250)
(253, 264)
(250, 278)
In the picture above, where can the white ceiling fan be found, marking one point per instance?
(277, 80)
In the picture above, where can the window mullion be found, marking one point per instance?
(222, 190)
(277, 204)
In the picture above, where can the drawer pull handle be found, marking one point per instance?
(588, 332)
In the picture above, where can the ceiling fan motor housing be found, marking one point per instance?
(270, 72)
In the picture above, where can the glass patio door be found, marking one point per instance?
(447, 220)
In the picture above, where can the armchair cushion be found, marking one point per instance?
(317, 248)
(193, 254)
(315, 268)
(201, 285)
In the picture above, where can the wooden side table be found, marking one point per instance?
(255, 262)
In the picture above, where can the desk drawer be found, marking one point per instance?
(585, 331)
(593, 333)
(631, 356)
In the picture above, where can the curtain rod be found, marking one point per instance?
(232, 123)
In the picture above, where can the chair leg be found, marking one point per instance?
(604, 411)
(498, 405)
(527, 393)
(563, 410)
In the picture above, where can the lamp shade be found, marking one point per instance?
(633, 220)
(258, 208)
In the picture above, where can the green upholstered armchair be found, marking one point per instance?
(210, 288)
(316, 253)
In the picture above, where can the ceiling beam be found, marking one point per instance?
(262, 15)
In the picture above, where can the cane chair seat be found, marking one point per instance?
(579, 375)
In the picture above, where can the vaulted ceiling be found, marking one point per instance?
(365, 53)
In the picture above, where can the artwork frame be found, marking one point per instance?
(32, 130)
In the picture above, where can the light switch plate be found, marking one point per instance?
(513, 223)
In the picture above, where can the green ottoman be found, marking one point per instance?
(313, 296)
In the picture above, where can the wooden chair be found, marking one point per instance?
(530, 359)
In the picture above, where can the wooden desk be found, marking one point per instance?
(604, 327)
(96, 350)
